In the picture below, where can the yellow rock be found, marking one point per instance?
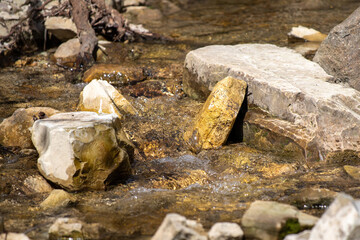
(213, 124)
(101, 97)
(354, 172)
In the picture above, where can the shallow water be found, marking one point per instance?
(215, 185)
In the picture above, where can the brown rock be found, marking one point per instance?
(67, 52)
(353, 171)
(214, 122)
(61, 27)
(114, 73)
(14, 131)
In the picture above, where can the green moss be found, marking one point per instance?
(291, 226)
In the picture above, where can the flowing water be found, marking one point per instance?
(212, 186)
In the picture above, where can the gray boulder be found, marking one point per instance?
(79, 150)
(339, 54)
(177, 227)
(264, 219)
(341, 221)
(286, 85)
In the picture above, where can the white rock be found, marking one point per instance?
(300, 236)
(341, 221)
(81, 149)
(176, 227)
(286, 85)
(225, 231)
(13, 236)
(127, 3)
(101, 97)
(308, 34)
(264, 219)
(61, 27)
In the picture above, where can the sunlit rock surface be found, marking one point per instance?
(340, 221)
(213, 124)
(339, 54)
(15, 130)
(305, 34)
(225, 231)
(67, 52)
(13, 236)
(61, 27)
(101, 97)
(82, 149)
(57, 198)
(286, 85)
(176, 227)
(265, 219)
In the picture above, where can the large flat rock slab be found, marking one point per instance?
(287, 86)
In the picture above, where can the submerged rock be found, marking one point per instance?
(101, 97)
(57, 198)
(339, 54)
(72, 228)
(340, 221)
(15, 130)
(214, 122)
(225, 231)
(305, 34)
(115, 73)
(266, 219)
(286, 85)
(177, 227)
(67, 52)
(82, 149)
(61, 27)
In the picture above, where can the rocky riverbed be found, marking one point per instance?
(168, 176)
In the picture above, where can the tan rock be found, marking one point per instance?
(67, 52)
(13, 236)
(353, 171)
(61, 27)
(37, 184)
(213, 124)
(306, 34)
(114, 73)
(15, 130)
(57, 198)
(101, 97)
(143, 14)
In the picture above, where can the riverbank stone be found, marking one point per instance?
(286, 85)
(101, 97)
(267, 219)
(15, 130)
(176, 227)
(214, 122)
(225, 231)
(339, 55)
(58, 198)
(13, 236)
(340, 221)
(67, 52)
(82, 150)
(62, 28)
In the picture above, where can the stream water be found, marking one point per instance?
(213, 186)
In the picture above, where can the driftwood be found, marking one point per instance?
(91, 17)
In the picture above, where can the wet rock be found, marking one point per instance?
(302, 33)
(225, 231)
(287, 86)
(340, 221)
(175, 226)
(37, 184)
(214, 122)
(101, 97)
(15, 130)
(169, 7)
(67, 52)
(81, 150)
(308, 197)
(338, 54)
(143, 14)
(13, 236)
(266, 219)
(115, 74)
(300, 236)
(72, 228)
(58, 198)
(353, 171)
(127, 3)
(62, 28)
